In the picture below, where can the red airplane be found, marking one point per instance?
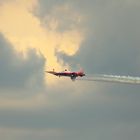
(66, 73)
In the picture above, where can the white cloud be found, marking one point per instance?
(24, 30)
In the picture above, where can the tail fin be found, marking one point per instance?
(81, 73)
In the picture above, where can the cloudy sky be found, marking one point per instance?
(102, 37)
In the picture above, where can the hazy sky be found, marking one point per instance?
(101, 37)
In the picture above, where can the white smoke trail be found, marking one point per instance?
(112, 78)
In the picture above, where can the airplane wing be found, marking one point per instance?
(51, 72)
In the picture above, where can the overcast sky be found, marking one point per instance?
(102, 37)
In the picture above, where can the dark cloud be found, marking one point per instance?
(112, 36)
(47, 5)
(117, 118)
(62, 12)
(112, 42)
(18, 72)
(85, 110)
(111, 46)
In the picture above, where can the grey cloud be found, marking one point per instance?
(111, 46)
(16, 71)
(117, 118)
(112, 41)
(67, 18)
(84, 118)
(47, 5)
(102, 110)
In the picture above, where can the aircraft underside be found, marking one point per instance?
(73, 77)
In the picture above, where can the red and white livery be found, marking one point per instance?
(72, 75)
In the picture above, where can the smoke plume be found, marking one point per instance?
(112, 78)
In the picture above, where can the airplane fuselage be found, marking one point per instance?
(72, 75)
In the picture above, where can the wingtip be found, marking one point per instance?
(46, 71)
